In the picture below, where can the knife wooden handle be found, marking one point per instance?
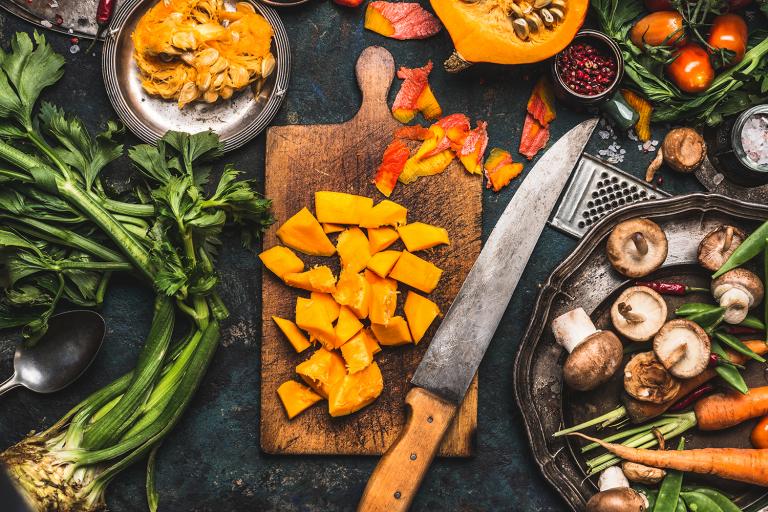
(399, 473)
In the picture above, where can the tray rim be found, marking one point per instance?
(246, 133)
(535, 434)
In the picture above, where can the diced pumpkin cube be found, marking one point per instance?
(382, 262)
(328, 302)
(293, 333)
(418, 236)
(357, 353)
(341, 208)
(383, 298)
(332, 228)
(296, 397)
(281, 260)
(305, 234)
(428, 166)
(355, 391)
(370, 340)
(394, 333)
(312, 316)
(500, 169)
(386, 213)
(416, 272)
(318, 279)
(381, 238)
(420, 313)
(347, 326)
(354, 250)
(322, 371)
(353, 291)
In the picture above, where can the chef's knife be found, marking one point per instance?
(451, 361)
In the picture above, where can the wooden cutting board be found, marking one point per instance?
(343, 157)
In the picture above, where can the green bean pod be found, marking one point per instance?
(729, 373)
(669, 492)
(737, 345)
(698, 502)
(723, 501)
(694, 308)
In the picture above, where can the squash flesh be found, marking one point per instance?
(416, 272)
(281, 260)
(381, 238)
(355, 391)
(420, 312)
(341, 208)
(347, 327)
(322, 371)
(382, 263)
(312, 317)
(292, 332)
(353, 291)
(354, 249)
(317, 279)
(296, 397)
(394, 333)
(305, 234)
(418, 236)
(329, 304)
(386, 213)
(357, 353)
(383, 298)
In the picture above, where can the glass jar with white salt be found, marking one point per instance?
(749, 143)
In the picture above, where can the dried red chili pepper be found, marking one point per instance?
(665, 288)
(104, 11)
(741, 329)
(692, 397)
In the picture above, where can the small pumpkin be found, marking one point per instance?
(296, 397)
(508, 32)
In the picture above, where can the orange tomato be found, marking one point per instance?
(729, 32)
(658, 28)
(759, 436)
(691, 70)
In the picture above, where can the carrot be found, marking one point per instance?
(639, 411)
(725, 410)
(741, 464)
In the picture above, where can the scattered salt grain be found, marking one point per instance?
(74, 48)
(46, 24)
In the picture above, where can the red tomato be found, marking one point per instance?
(759, 436)
(729, 32)
(691, 70)
(658, 28)
(658, 5)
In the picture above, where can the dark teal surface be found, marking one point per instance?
(212, 461)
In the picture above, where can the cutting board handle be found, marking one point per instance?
(375, 70)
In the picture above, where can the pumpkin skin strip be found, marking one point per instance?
(401, 20)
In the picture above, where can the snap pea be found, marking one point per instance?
(738, 345)
(729, 373)
(723, 501)
(669, 492)
(709, 320)
(753, 322)
(681, 506)
(694, 308)
(765, 274)
(748, 249)
(698, 502)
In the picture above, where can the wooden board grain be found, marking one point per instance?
(343, 157)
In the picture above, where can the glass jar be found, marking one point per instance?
(734, 161)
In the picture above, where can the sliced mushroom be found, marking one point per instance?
(737, 291)
(639, 313)
(646, 379)
(637, 247)
(642, 474)
(615, 494)
(682, 346)
(718, 245)
(594, 356)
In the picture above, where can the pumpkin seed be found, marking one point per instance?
(525, 7)
(558, 3)
(547, 18)
(521, 28)
(540, 4)
(514, 10)
(534, 22)
(557, 14)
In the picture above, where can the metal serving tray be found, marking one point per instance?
(586, 279)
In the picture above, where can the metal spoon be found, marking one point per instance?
(61, 355)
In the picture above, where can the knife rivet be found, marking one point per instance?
(429, 419)
(413, 456)
(397, 495)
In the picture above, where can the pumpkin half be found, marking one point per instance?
(510, 31)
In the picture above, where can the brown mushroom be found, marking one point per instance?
(718, 245)
(637, 247)
(646, 379)
(683, 150)
(594, 356)
(682, 346)
(642, 474)
(639, 313)
(615, 494)
(737, 291)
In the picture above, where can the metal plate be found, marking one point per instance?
(594, 190)
(586, 279)
(236, 120)
(78, 17)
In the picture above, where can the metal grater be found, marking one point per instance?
(594, 190)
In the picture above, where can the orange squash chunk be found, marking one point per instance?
(418, 236)
(293, 333)
(386, 213)
(392, 164)
(341, 208)
(347, 326)
(355, 391)
(305, 234)
(354, 249)
(322, 371)
(332, 228)
(312, 317)
(357, 353)
(429, 166)
(328, 302)
(370, 340)
(381, 238)
(317, 279)
(420, 313)
(296, 397)
(473, 148)
(401, 20)
(383, 298)
(382, 262)
(500, 169)
(416, 272)
(353, 291)
(394, 333)
(281, 260)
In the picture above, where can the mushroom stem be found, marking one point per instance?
(728, 240)
(677, 354)
(572, 328)
(736, 303)
(612, 478)
(625, 310)
(654, 166)
(640, 243)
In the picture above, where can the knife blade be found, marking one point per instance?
(454, 354)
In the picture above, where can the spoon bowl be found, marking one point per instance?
(66, 350)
